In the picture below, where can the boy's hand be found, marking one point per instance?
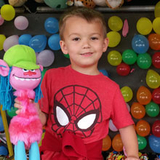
(17, 105)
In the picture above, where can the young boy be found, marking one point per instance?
(78, 101)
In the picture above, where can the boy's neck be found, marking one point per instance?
(86, 70)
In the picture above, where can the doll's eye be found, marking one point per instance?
(32, 70)
(25, 70)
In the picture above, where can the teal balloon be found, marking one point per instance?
(12, 112)
(57, 4)
(142, 142)
(152, 109)
(144, 61)
(1, 3)
(129, 57)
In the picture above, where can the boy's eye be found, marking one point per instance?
(76, 39)
(94, 38)
(25, 70)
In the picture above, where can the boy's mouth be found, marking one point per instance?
(86, 54)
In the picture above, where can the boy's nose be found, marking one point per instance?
(86, 44)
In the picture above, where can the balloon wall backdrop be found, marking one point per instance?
(132, 60)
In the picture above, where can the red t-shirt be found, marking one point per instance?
(82, 104)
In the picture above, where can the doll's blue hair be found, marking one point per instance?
(6, 92)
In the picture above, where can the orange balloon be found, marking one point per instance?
(117, 144)
(154, 41)
(137, 110)
(106, 143)
(144, 95)
(143, 128)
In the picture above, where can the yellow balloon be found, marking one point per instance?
(156, 25)
(127, 93)
(7, 12)
(153, 79)
(114, 38)
(115, 23)
(144, 26)
(2, 39)
(114, 58)
(157, 10)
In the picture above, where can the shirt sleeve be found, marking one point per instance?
(120, 114)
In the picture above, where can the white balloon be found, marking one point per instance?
(112, 127)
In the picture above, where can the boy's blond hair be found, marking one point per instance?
(90, 15)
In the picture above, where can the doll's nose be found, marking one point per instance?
(29, 73)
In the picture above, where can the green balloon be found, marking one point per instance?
(57, 4)
(142, 142)
(144, 61)
(129, 57)
(12, 112)
(43, 72)
(66, 55)
(152, 109)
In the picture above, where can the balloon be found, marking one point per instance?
(2, 39)
(112, 127)
(127, 93)
(157, 10)
(154, 143)
(156, 95)
(21, 22)
(114, 58)
(144, 95)
(45, 58)
(154, 41)
(1, 124)
(106, 145)
(104, 72)
(144, 61)
(152, 109)
(3, 150)
(144, 26)
(115, 23)
(156, 25)
(51, 25)
(129, 57)
(24, 39)
(142, 142)
(1, 4)
(43, 72)
(117, 144)
(38, 43)
(137, 110)
(10, 41)
(143, 128)
(123, 69)
(12, 112)
(7, 12)
(156, 128)
(156, 60)
(56, 4)
(1, 20)
(128, 107)
(114, 38)
(53, 42)
(140, 44)
(153, 79)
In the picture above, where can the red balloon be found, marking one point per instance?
(156, 59)
(123, 69)
(156, 95)
(156, 128)
(154, 41)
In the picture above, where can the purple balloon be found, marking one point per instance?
(21, 22)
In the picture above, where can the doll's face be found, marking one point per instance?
(24, 79)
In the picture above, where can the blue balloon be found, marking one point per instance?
(1, 124)
(24, 39)
(38, 43)
(3, 151)
(104, 72)
(140, 44)
(51, 25)
(154, 143)
(53, 42)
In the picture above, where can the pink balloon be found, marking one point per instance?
(112, 127)
(10, 41)
(45, 58)
(21, 22)
(1, 20)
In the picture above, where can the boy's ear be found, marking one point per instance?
(63, 47)
(106, 42)
(4, 68)
(41, 67)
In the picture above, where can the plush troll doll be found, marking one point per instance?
(21, 77)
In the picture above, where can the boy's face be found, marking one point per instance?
(83, 41)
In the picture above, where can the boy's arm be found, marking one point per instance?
(129, 139)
